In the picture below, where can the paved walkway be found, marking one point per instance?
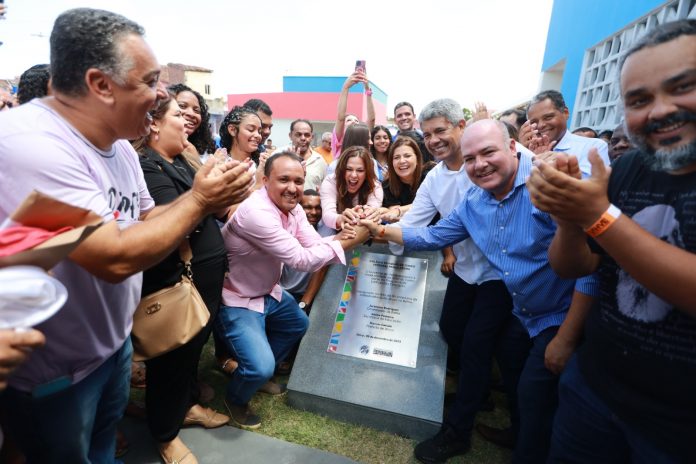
(228, 445)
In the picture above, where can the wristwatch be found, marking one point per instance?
(302, 305)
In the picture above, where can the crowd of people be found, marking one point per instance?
(567, 253)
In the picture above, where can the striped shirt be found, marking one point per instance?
(515, 237)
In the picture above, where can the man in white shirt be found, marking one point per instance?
(477, 303)
(301, 133)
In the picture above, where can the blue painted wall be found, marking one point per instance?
(328, 85)
(577, 25)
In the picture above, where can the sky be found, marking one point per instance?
(485, 50)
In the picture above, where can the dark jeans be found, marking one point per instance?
(472, 327)
(172, 379)
(521, 361)
(76, 424)
(587, 431)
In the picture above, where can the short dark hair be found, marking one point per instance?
(520, 115)
(555, 96)
(292, 124)
(84, 38)
(311, 193)
(585, 129)
(259, 105)
(606, 133)
(512, 131)
(404, 103)
(33, 83)
(272, 159)
(661, 34)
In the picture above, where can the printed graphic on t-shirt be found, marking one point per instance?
(128, 205)
(637, 319)
(634, 300)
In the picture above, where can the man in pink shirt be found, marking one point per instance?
(259, 321)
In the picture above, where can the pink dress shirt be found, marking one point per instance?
(329, 195)
(259, 240)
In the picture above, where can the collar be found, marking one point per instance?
(564, 143)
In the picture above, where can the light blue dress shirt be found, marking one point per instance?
(515, 237)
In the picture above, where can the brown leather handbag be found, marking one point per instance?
(168, 318)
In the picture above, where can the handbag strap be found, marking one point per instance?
(186, 255)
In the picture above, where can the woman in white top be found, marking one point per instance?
(353, 184)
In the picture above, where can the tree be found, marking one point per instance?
(467, 113)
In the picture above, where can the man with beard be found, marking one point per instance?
(629, 394)
(497, 216)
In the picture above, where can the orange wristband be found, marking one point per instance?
(605, 221)
(381, 232)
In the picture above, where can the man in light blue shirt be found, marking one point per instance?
(548, 116)
(514, 236)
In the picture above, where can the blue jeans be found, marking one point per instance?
(587, 431)
(76, 424)
(259, 341)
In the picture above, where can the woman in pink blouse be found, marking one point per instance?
(354, 183)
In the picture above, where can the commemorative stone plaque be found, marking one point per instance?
(373, 354)
(379, 315)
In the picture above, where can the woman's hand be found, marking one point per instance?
(350, 217)
(391, 215)
(357, 76)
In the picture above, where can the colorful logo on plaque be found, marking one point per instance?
(343, 304)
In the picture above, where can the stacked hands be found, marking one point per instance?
(352, 223)
(556, 186)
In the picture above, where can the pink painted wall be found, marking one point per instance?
(315, 106)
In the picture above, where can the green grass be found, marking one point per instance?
(359, 443)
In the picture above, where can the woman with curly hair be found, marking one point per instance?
(354, 184)
(195, 112)
(171, 394)
(240, 135)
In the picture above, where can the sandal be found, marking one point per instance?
(227, 365)
(138, 375)
(122, 445)
(186, 456)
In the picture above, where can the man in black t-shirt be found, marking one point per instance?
(630, 394)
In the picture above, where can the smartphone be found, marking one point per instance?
(360, 65)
